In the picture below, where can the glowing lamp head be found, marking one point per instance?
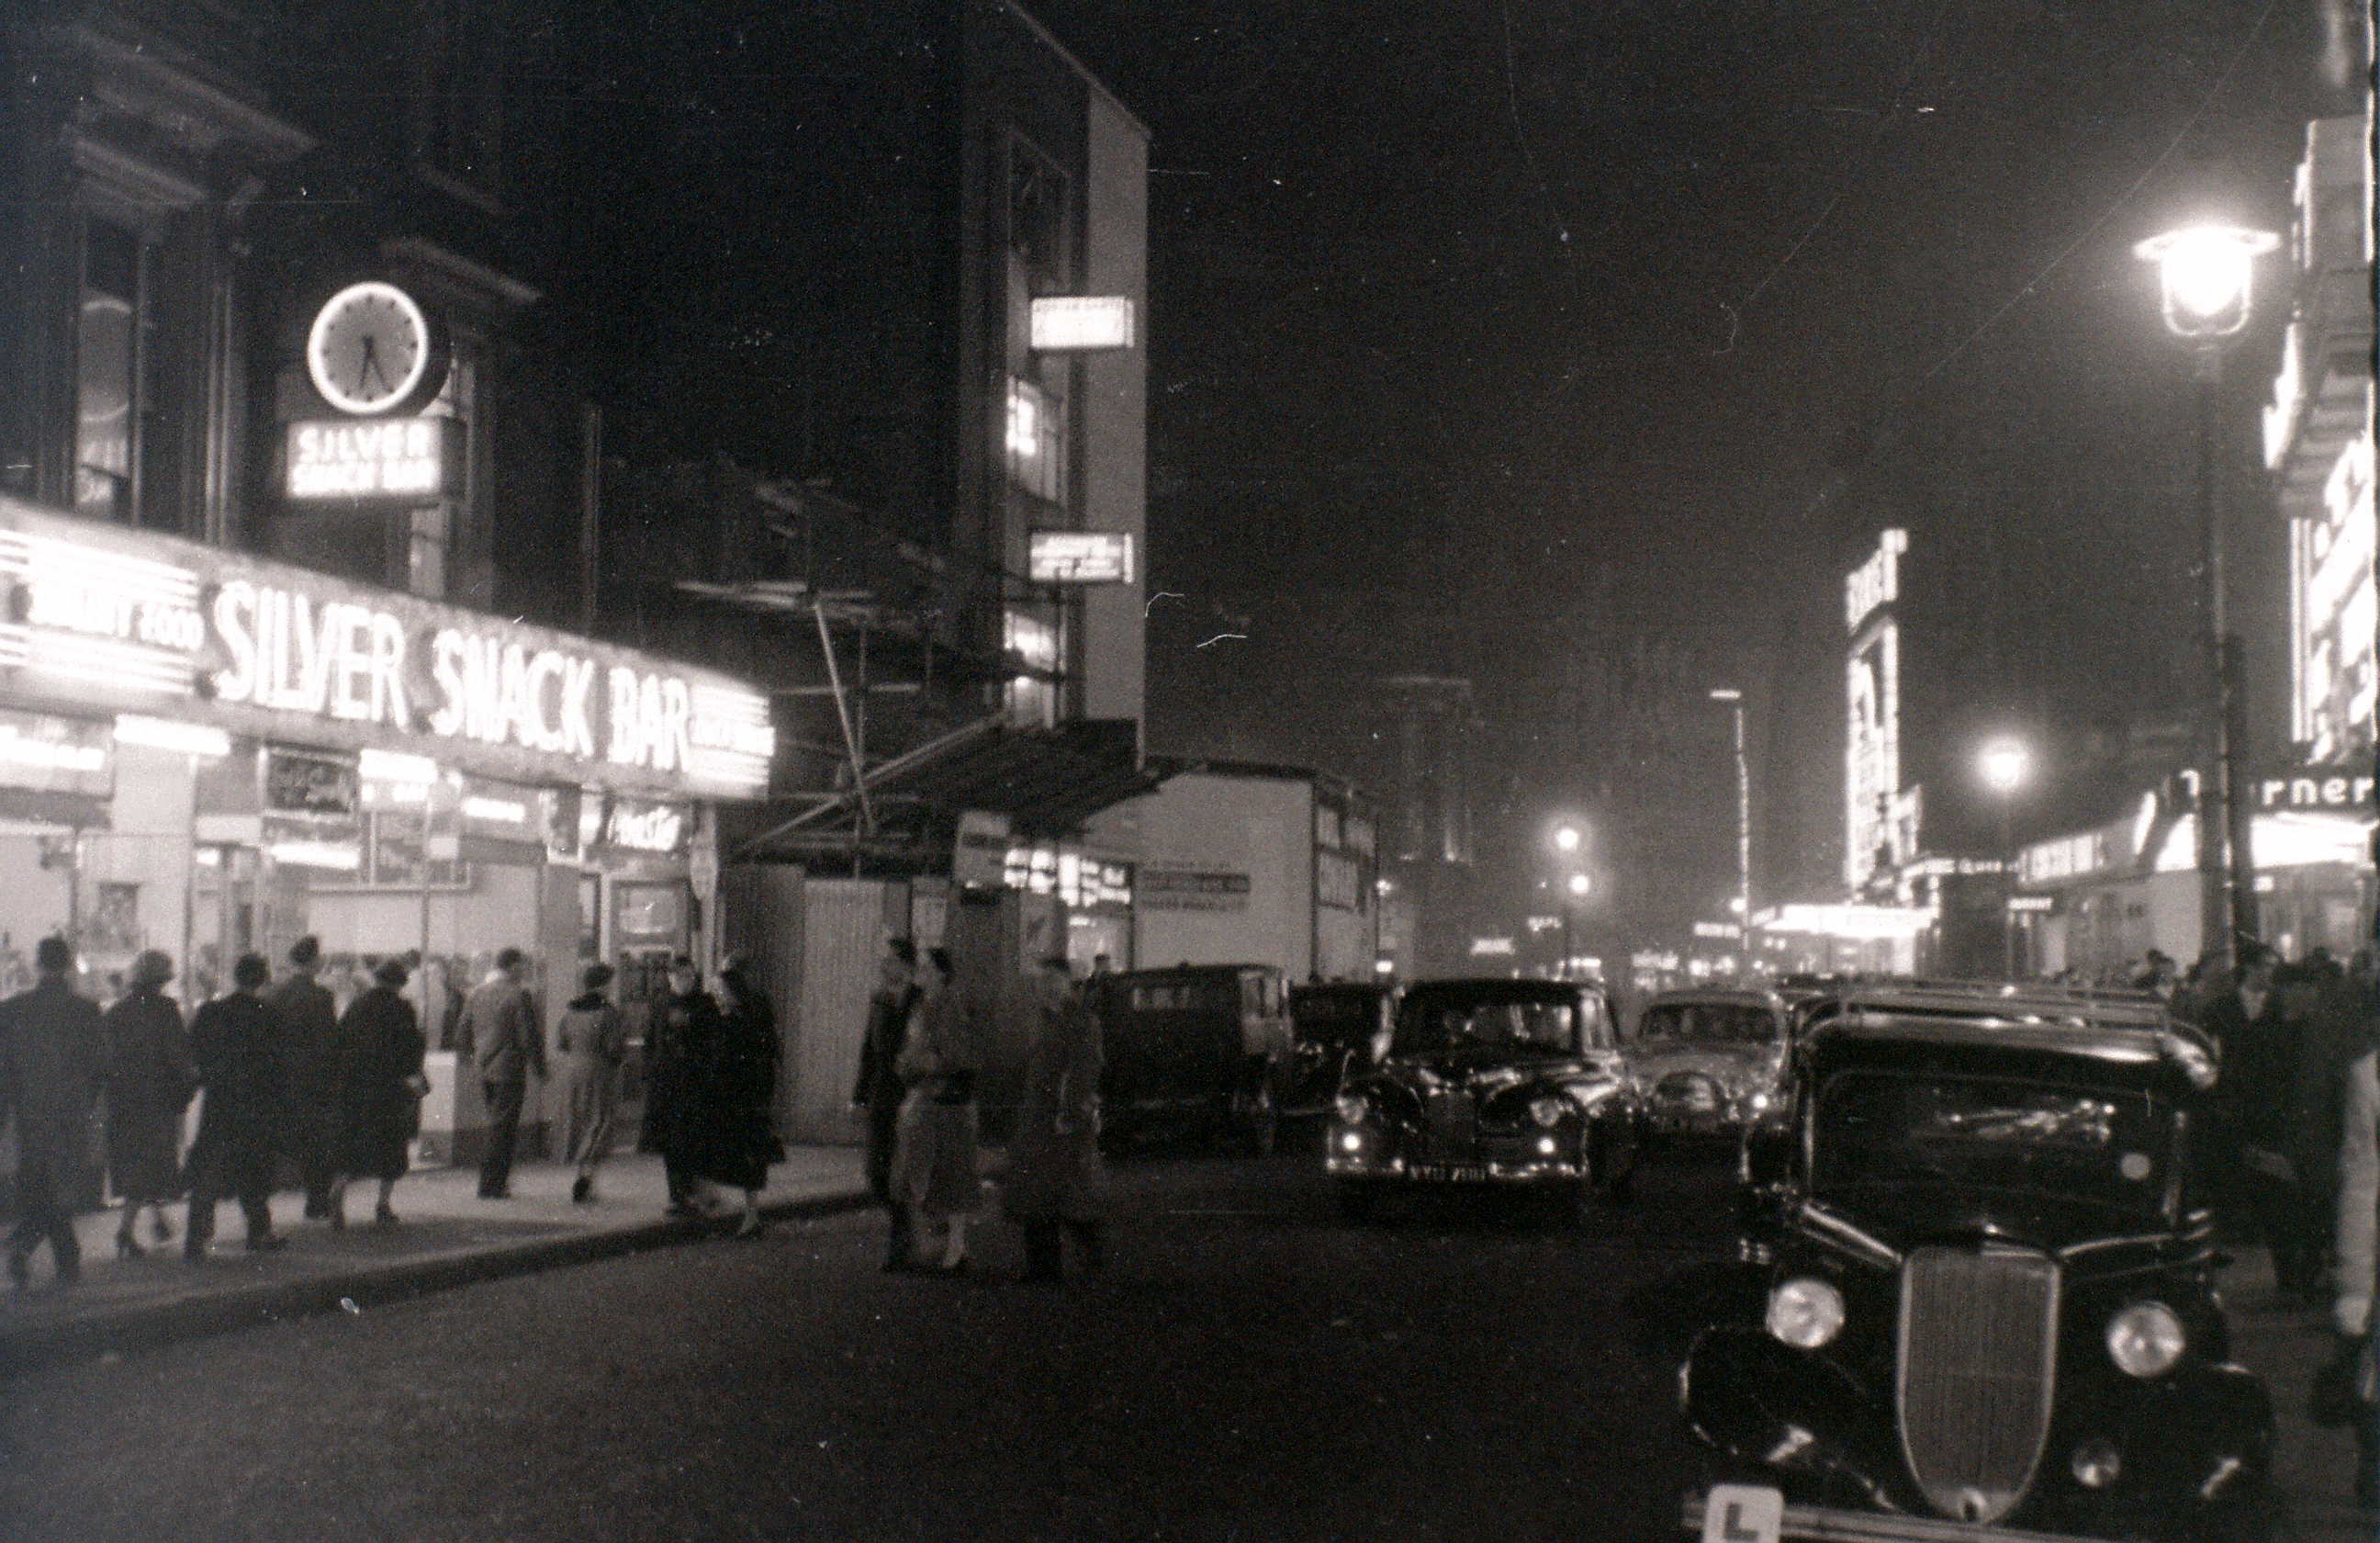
(1567, 839)
(1580, 886)
(2005, 764)
(2207, 275)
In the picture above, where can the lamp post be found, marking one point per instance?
(1574, 889)
(2004, 765)
(2206, 282)
(1735, 700)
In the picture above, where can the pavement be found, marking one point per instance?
(447, 1236)
(451, 1237)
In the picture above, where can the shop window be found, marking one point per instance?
(106, 373)
(394, 858)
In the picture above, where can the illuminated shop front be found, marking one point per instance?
(212, 754)
(1096, 893)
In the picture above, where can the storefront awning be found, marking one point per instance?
(1046, 781)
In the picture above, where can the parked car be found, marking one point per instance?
(1339, 1029)
(1981, 1293)
(1711, 1062)
(1490, 1083)
(1202, 1048)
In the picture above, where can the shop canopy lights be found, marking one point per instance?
(167, 734)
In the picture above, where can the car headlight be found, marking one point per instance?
(2146, 1339)
(1805, 1312)
(1548, 1112)
(1759, 1103)
(1354, 1109)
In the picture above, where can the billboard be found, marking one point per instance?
(1874, 835)
(2332, 614)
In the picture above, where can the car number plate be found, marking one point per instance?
(1744, 1514)
(1451, 1172)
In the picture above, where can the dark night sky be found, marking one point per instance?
(1580, 347)
(1703, 292)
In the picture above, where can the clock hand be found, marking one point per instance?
(371, 366)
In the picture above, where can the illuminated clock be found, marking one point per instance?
(372, 349)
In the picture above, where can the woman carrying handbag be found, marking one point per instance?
(934, 1167)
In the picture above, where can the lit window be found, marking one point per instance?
(1033, 448)
(105, 347)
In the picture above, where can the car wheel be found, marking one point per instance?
(1358, 1202)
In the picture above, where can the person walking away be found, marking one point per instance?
(738, 1085)
(150, 1082)
(381, 1088)
(680, 1038)
(53, 1063)
(309, 1017)
(934, 1166)
(2266, 1070)
(590, 1044)
(1055, 1180)
(876, 1094)
(2348, 1390)
(500, 1023)
(237, 1044)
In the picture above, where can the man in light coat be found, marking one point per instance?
(500, 1024)
(53, 1061)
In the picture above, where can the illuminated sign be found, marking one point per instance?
(1715, 929)
(2332, 612)
(1079, 558)
(245, 645)
(2338, 787)
(1853, 923)
(1492, 948)
(1165, 889)
(638, 825)
(2036, 904)
(311, 809)
(397, 458)
(56, 754)
(1876, 582)
(1082, 321)
(1873, 837)
(2066, 858)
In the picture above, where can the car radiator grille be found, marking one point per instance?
(1978, 1345)
(1453, 1127)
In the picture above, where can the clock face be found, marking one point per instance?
(370, 348)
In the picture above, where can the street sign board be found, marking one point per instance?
(1079, 558)
(1072, 323)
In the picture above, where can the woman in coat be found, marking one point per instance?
(150, 1081)
(1054, 1181)
(934, 1170)
(380, 1090)
(736, 1086)
(589, 1044)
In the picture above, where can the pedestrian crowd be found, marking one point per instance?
(291, 1087)
(921, 1056)
(2294, 1154)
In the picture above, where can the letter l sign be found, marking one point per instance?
(1744, 1514)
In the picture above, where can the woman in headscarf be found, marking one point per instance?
(589, 1044)
(150, 1081)
(737, 1085)
(934, 1168)
(380, 1090)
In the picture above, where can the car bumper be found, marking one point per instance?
(1497, 1161)
(1834, 1524)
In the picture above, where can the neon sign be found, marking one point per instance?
(1876, 582)
(402, 457)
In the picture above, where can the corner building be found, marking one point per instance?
(290, 531)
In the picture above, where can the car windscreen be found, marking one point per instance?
(1183, 996)
(1426, 1027)
(2104, 1148)
(1707, 1023)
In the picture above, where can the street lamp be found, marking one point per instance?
(1735, 700)
(2005, 764)
(2206, 283)
(1567, 838)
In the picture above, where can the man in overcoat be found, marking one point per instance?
(878, 1092)
(1055, 1186)
(53, 1061)
(309, 1017)
(237, 1042)
(501, 1025)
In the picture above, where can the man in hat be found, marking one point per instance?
(237, 1042)
(501, 1025)
(877, 1093)
(53, 1059)
(310, 1021)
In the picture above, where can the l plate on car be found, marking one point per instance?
(1454, 1172)
(1744, 1514)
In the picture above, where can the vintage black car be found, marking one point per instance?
(1497, 1082)
(1979, 1293)
(1711, 1063)
(1340, 1028)
(1200, 1050)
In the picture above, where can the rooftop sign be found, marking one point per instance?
(1073, 323)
